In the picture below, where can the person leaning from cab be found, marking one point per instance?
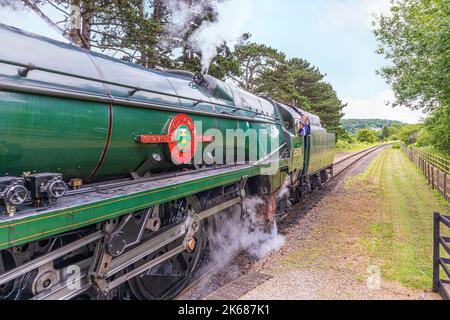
(304, 126)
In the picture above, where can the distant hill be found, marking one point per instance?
(354, 125)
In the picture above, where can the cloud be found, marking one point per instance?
(375, 108)
(356, 13)
(228, 29)
(27, 20)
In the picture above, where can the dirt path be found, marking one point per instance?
(369, 238)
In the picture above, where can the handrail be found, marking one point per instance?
(435, 168)
(438, 161)
(31, 67)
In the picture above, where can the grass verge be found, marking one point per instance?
(354, 147)
(399, 237)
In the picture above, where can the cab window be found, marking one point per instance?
(287, 119)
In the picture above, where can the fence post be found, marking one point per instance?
(432, 177)
(438, 180)
(422, 166)
(436, 251)
(445, 186)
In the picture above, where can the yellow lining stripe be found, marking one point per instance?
(109, 215)
(111, 202)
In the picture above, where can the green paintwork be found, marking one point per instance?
(47, 134)
(25, 229)
(43, 134)
(321, 150)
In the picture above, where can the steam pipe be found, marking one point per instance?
(15, 87)
(112, 83)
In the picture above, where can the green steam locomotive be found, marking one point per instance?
(113, 175)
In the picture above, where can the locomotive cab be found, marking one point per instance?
(290, 119)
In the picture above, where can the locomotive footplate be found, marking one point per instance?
(104, 202)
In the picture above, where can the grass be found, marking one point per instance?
(382, 218)
(399, 238)
(353, 147)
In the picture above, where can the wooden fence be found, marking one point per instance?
(435, 168)
(441, 262)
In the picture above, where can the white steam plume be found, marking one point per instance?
(11, 4)
(227, 28)
(249, 235)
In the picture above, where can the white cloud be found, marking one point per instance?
(375, 108)
(27, 20)
(356, 13)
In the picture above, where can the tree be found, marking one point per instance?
(130, 30)
(133, 30)
(300, 84)
(437, 131)
(279, 84)
(409, 133)
(415, 38)
(254, 59)
(344, 135)
(385, 133)
(366, 135)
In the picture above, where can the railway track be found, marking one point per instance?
(349, 161)
(339, 167)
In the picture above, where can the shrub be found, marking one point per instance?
(366, 135)
(342, 144)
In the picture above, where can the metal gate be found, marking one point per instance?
(441, 285)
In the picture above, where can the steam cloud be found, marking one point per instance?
(209, 36)
(249, 235)
(12, 4)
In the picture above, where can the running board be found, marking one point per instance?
(104, 203)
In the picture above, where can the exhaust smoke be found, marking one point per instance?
(251, 235)
(225, 29)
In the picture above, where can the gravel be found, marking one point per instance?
(320, 260)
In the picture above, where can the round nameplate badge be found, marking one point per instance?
(182, 143)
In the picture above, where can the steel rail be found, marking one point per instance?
(361, 155)
(360, 152)
(126, 260)
(211, 270)
(206, 274)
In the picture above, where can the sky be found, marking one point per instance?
(334, 35)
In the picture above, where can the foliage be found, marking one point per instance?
(409, 133)
(436, 131)
(354, 125)
(416, 39)
(132, 30)
(385, 133)
(367, 135)
(254, 59)
(355, 146)
(300, 84)
(137, 31)
(344, 135)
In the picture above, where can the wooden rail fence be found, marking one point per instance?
(441, 261)
(435, 168)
